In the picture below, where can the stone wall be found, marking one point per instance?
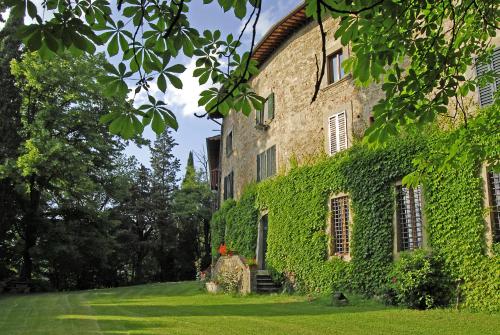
(299, 129)
(235, 267)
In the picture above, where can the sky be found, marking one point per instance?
(193, 131)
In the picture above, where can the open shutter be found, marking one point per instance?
(495, 63)
(271, 161)
(332, 134)
(272, 158)
(270, 107)
(259, 175)
(342, 131)
(258, 117)
(485, 92)
(337, 135)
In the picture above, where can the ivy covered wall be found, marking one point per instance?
(297, 205)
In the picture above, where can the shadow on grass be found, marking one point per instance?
(124, 319)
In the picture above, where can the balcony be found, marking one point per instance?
(214, 179)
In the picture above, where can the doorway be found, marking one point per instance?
(262, 242)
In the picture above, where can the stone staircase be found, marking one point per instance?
(265, 283)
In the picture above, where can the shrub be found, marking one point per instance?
(417, 280)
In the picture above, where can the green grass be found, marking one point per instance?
(183, 308)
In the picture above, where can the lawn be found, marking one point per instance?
(183, 308)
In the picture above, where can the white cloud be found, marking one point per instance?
(182, 102)
(186, 100)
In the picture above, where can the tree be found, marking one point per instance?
(65, 150)
(10, 102)
(193, 204)
(138, 233)
(438, 39)
(164, 178)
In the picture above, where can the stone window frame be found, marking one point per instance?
(488, 204)
(330, 230)
(397, 227)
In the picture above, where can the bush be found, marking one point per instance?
(418, 281)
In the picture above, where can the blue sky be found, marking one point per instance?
(192, 130)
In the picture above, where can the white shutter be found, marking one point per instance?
(337, 135)
(495, 62)
(342, 131)
(485, 92)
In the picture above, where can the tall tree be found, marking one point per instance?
(10, 119)
(193, 203)
(65, 149)
(164, 178)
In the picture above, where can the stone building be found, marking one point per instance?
(291, 130)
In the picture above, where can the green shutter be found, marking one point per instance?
(270, 109)
(258, 117)
(258, 168)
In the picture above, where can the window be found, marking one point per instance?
(340, 225)
(409, 218)
(229, 186)
(266, 163)
(487, 92)
(335, 71)
(494, 188)
(229, 143)
(263, 117)
(337, 133)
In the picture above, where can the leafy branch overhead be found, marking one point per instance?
(418, 50)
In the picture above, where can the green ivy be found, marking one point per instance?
(297, 205)
(235, 224)
(241, 224)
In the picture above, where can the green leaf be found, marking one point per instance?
(162, 83)
(176, 82)
(158, 124)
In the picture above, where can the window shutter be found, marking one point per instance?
(258, 117)
(272, 159)
(270, 107)
(332, 123)
(337, 132)
(342, 131)
(231, 184)
(225, 188)
(495, 62)
(259, 175)
(485, 92)
(264, 112)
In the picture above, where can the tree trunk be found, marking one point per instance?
(30, 223)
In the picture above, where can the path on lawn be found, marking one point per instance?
(183, 308)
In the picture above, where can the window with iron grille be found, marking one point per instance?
(337, 133)
(335, 70)
(487, 92)
(266, 163)
(494, 188)
(340, 225)
(229, 186)
(409, 217)
(229, 143)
